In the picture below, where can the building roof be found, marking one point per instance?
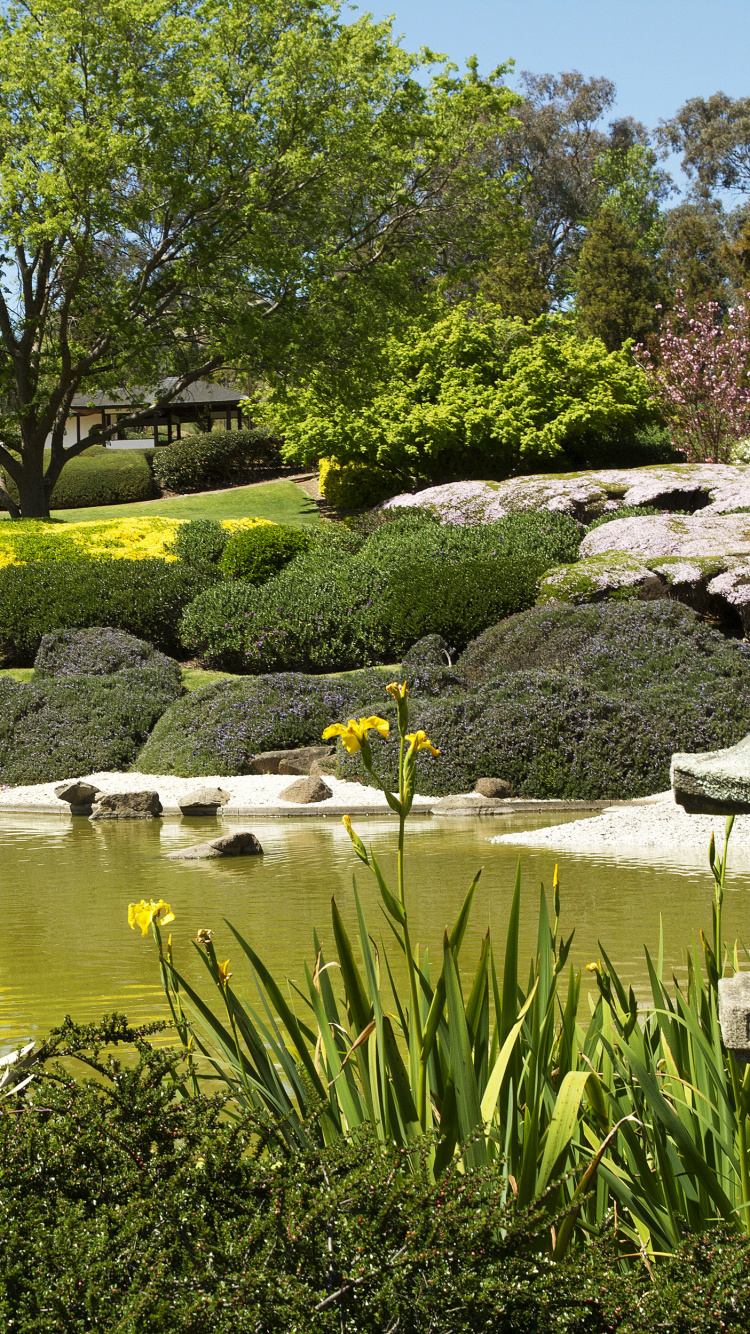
(198, 394)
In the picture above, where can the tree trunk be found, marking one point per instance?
(32, 493)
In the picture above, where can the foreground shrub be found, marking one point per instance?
(61, 727)
(255, 554)
(331, 609)
(144, 597)
(99, 476)
(199, 461)
(200, 542)
(216, 730)
(100, 651)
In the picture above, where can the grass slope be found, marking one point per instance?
(282, 501)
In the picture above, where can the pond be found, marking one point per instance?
(65, 885)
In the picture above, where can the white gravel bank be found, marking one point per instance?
(250, 794)
(657, 828)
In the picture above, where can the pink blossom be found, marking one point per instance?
(699, 375)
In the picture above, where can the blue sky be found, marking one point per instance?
(658, 52)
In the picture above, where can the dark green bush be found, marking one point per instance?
(99, 651)
(622, 647)
(550, 734)
(218, 729)
(144, 597)
(200, 542)
(256, 554)
(99, 476)
(125, 1208)
(197, 462)
(357, 486)
(330, 610)
(633, 447)
(60, 727)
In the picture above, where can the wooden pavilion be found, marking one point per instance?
(201, 403)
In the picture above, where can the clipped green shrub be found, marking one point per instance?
(357, 486)
(218, 729)
(200, 542)
(100, 651)
(255, 554)
(199, 461)
(144, 597)
(331, 610)
(621, 647)
(99, 476)
(61, 727)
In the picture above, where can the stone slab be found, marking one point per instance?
(713, 782)
(734, 1014)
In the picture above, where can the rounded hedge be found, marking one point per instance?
(201, 460)
(218, 729)
(256, 554)
(200, 542)
(101, 651)
(99, 476)
(144, 597)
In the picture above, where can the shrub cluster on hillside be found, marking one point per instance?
(95, 698)
(99, 476)
(581, 702)
(124, 1208)
(199, 461)
(216, 730)
(332, 609)
(144, 597)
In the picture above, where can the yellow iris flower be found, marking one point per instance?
(353, 733)
(420, 741)
(143, 914)
(224, 973)
(397, 690)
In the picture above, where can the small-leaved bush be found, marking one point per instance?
(357, 486)
(331, 609)
(200, 542)
(218, 729)
(255, 554)
(124, 1206)
(60, 727)
(199, 461)
(100, 651)
(144, 597)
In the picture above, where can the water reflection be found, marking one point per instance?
(65, 884)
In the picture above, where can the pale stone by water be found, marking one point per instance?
(734, 1014)
(306, 790)
(241, 844)
(713, 781)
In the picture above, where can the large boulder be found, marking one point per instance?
(127, 806)
(711, 487)
(713, 782)
(296, 761)
(239, 844)
(468, 803)
(306, 791)
(80, 796)
(705, 534)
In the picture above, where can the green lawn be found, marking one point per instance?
(18, 673)
(282, 501)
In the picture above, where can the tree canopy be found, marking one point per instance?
(186, 183)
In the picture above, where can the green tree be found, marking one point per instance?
(192, 184)
(472, 394)
(701, 258)
(616, 293)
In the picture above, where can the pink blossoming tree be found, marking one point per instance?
(698, 371)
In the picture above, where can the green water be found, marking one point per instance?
(65, 884)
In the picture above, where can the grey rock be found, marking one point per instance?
(306, 790)
(467, 803)
(270, 761)
(734, 1014)
(77, 793)
(493, 787)
(324, 768)
(239, 844)
(713, 781)
(203, 801)
(684, 535)
(127, 806)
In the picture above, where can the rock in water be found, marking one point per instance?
(493, 787)
(734, 1014)
(240, 844)
(127, 806)
(294, 761)
(713, 782)
(203, 801)
(306, 790)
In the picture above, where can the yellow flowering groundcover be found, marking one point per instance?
(26, 541)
